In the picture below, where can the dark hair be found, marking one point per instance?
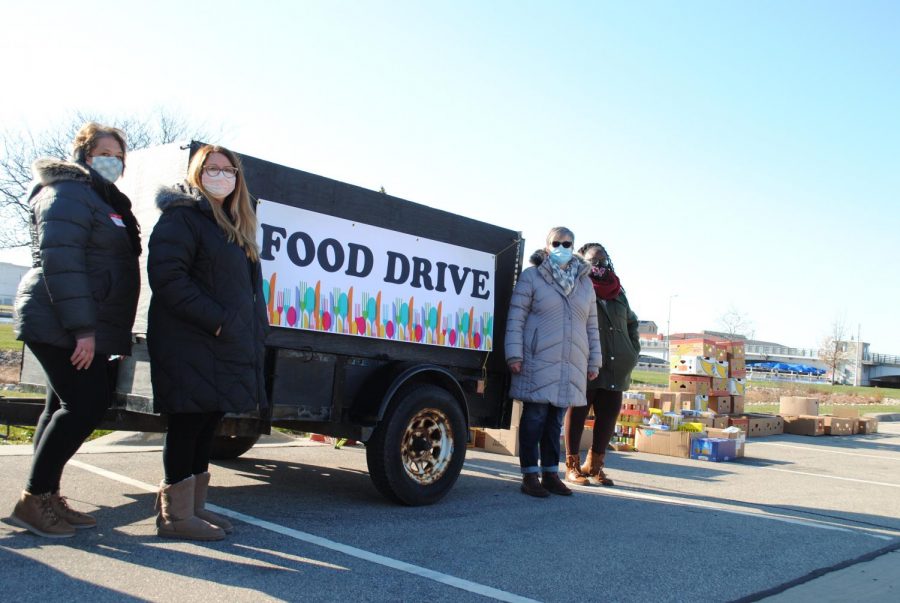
(584, 249)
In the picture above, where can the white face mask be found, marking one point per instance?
(218, 186)
(108, 167)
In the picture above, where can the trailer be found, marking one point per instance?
(387, 322)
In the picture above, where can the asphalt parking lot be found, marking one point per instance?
(794, 514)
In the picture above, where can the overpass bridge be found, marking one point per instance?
(878, 370)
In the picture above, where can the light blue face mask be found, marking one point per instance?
(108, 167)
(560, 255)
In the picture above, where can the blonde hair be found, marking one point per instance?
(559, 231)
(243, 230)
(88, 136)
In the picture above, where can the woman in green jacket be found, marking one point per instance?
(620, 346)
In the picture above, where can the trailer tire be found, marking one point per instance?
(417, 451)
(231, 447)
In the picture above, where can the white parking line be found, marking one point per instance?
(422, 572)
(843, 479)
(820, 524)
(818, 449)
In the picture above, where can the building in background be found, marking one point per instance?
(10, 275)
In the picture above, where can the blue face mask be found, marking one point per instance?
(108, 167)
(560, 255)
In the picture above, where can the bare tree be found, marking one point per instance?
(834, 351)
(736, 324)
(20, 149)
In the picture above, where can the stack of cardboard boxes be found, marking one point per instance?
(801, 417)
(634, 413)
(704, 405)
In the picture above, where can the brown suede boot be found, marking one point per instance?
(554, 485)
(573, 472)
(593, 469)
(35, 513)
(531, 486)
(200, 510)
(176, 514)
(76, 519)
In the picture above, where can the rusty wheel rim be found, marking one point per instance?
(427, 446)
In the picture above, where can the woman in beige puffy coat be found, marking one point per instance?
(552, 343)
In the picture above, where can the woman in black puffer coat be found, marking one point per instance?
(206, 329)
(74, 310)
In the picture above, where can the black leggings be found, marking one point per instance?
(75, 405)
(606, 404)
(188, 444)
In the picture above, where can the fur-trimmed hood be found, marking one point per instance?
(180, 195)
(49, 171)
(537, 258)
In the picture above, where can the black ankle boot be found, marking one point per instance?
(531, 486)
(553, 484)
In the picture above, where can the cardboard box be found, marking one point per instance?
(735, 349)
(866, 425)
(690, 383)
(717, 450)
(698, 365)
(737, 435)
(737, 405)
(476, 438)
(737, 367)
(848, 412)
(710, 421)
(693, 347)
(502, 441)
(764, 425)
(678, 401)
(795, 406)
(668, 443)
(650, 398)
(804, 425)
(737, 386)
(742, 423)
(839, 425)
(721, 352)
(718, 386)
(719, 404)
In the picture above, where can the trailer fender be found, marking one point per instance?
(376, 395)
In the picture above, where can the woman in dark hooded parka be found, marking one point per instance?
(74, 310)
(206, 330)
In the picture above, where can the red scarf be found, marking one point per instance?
(608, 286)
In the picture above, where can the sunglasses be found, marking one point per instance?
(565, 244)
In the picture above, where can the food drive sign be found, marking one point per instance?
(324, 273)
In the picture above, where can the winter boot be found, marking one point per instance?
(593, 469)
(35, 513)
(200, 488)
(531, 486)
(176, 517)
(573, 472)
(554, 485)
(76, 519)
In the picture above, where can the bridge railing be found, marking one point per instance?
(778, 350)
(881, 359)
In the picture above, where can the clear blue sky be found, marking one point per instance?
(739, 155)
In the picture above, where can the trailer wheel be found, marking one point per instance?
(417, 451)
(231, 447)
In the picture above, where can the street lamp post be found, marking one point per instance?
(669, 326)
